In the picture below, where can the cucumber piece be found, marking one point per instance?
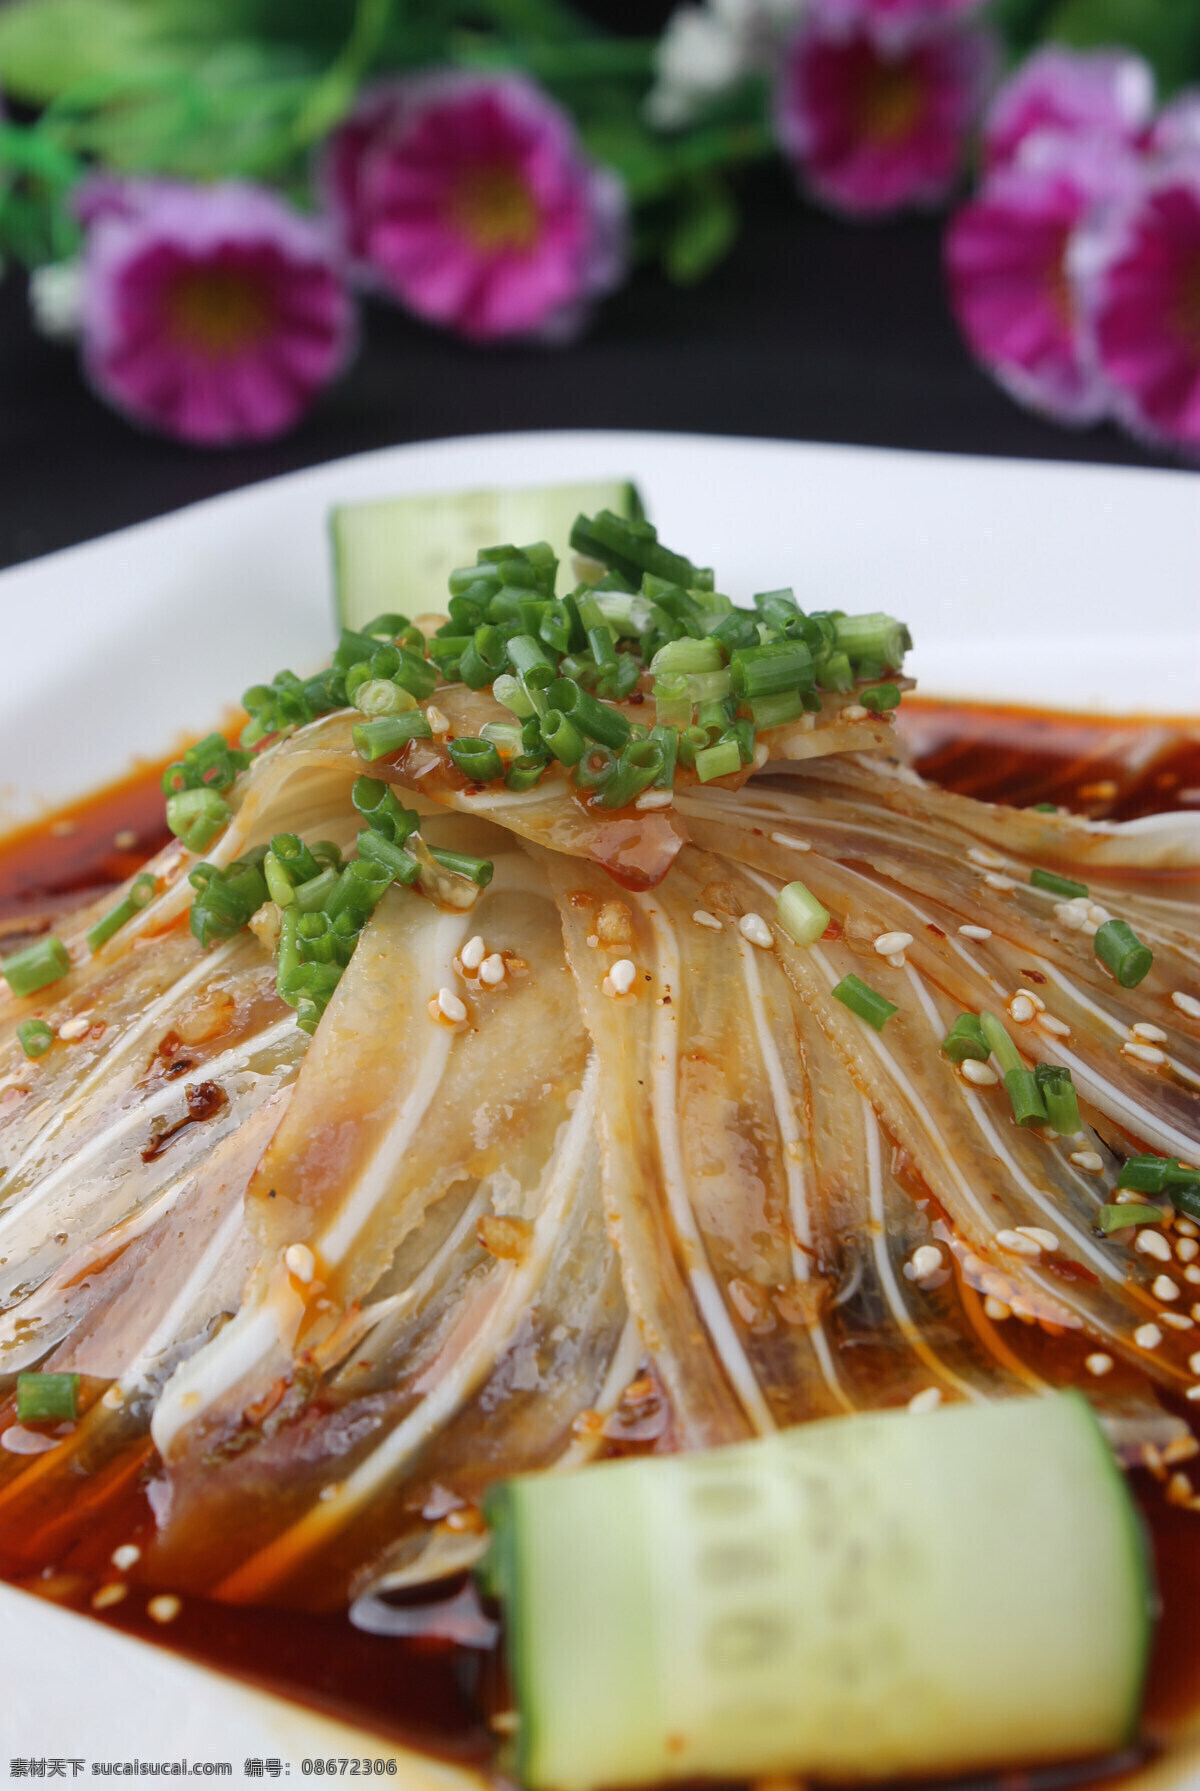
(857, 1598)
(397, 554)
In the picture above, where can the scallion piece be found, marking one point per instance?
(141, 891)
(766, 671)
(312, 896)
(36, 966)
(476, 759)
(196, 817)
(872, 638)
(525, 770)
(1187, 1201)
(637, 767)
(1116, 1218)
(668, 739)
(1063, 886)
(394, 859)
(43, 1397)
(1118, 946)
(966, 1039)
(776, 711)
(1058, 1094)
(34, 1037)
(880, 697)
(1021, 1084)
(592, 717)
(864, 1001)
(834, 672)
(512, 693)
(379, 696)
(710, 687)
(477, 870)
(280, 887)
(562, 737)
(672, 700)
(524, 652)
(377, 739)
(1149, 1174)
(1000, 1044)
(800, 914)
(687, 655)
(720, 760)
(505, 736)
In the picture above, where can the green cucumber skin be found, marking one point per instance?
(397, 553)
(858, 1599)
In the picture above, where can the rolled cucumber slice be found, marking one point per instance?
(858, 1598)
(396, 555)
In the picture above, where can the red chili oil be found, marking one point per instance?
(432, 1694)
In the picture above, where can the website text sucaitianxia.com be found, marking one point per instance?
(254, 1767)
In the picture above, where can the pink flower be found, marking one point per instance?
(1105, 93)
(467, 198)
(896, 22)
(1176, 130)
(873, 127)
(1006, 262)
(210, 313)
(1136, 276)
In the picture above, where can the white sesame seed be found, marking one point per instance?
(1021, 1009)
(1187, 1249)
(655, 799)
(1055, 1025)
(1179, 1490)
(1098, 1363)
(1164, 1288)
(593, 940)
(1072, 914)
(981, 856)
(125, 839)
(300, 1262)
(1178, 1321)
(113, 1399)
(1192, 1273)
(1127, 1197)
(1147, 1336)
(1187, 1228)
(897, 960)
(854, 712)
(973, 932)
(1037, 1001)
(74, 1029)
(1098, 915)
(1037, 1234)
(165, 1608)
(451, 1007)
(926, 1260)
(1154, 1034)
(703, 918)
(887, 943)
(981, 1074)
(1090, 1160)
(754, 928)
(1194, 1362)
(622, 975)
(439, 723)
(125, 1556)
(1018, 1244)
(473, 953)
(104, 1596)
(927, 1400)
(1153, 1243)
(994, 880)
(1143, 1053)
(790, 840)
(491, 971)
(997, 1309)
(1187, 1004)
(1192, 1393)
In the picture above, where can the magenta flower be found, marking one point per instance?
(896, 23)
(873, 127)
(468, 198)
(1136, 276)
(1103, 93)
(210, 313)
(1006, 261)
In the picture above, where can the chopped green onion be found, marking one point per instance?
(34, 1037)
(637, 767)
(776, 711)
(672, 700)
(394, 859)
(525, 770)
(39, 964)
(966, 1039)
(378, 739)
(714, 717)
(800, 914)
(880, 697)
(633, 548)
(196, 817)
(595, 768)
(477, 870)
(834, 672)
(1187, 1201)
(691, 741)
(313, 895)
(668, 739)
(476, 759)
(1025, 1094)
(592, 717)
(1063, 886)
(1148, 1174)
(382, 810)
(874, 638)
(1116, 1218)
(1045, 808)
(379, 696)
(512, 693)
(1000, 1044)
(141, 891)
(720, 760)
(766, 671)
(287, 953)
(562, 737)
(1118, 946)
(710, 687)
(524, 652)
(415, 674)
(280, 887)
(864, 1001)
(505, 736)
(226, 899)
(1058, 1093)
(41, 1397)
(687, 655)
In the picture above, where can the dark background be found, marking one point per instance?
(813, 329)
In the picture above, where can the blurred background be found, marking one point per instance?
(244, 236)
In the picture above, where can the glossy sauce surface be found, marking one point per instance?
(427, 1692)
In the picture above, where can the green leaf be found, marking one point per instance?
(49, 46)
(703, 230)
(1166, 32)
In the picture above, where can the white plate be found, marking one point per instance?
(1066, 585)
